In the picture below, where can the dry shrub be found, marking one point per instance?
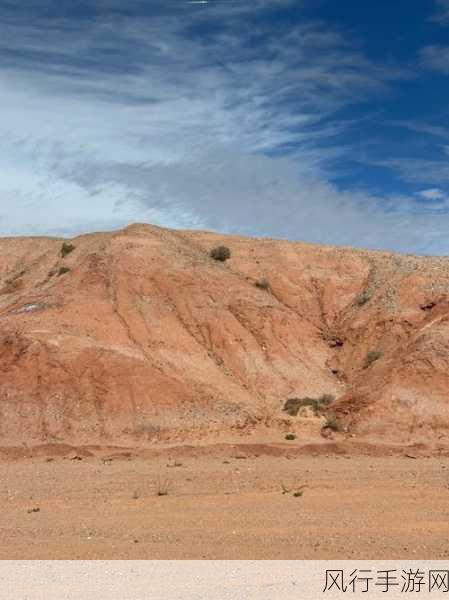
(220, 253)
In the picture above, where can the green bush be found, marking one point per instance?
(333, 424)
(66, 249)
(220, 253)
(262, 284)
(292, 405)
(363, 298)
(371, 357)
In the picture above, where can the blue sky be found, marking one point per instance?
(317, 120)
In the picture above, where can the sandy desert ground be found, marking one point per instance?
(224, 503)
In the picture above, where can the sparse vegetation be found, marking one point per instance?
(262, 284)
(147, 429)
(333, 424)
(428, 305)
(333, 340)
(293, 405)
(363, 298)
(295, 491)
(290, 437)
(63, 271)
(33, 510)
(162, 487)
(66, 248)
(371, 357)
(221, 253)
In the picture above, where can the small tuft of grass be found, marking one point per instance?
(428, 305)
(285, 489)
(333, 424)
(290, 437)
(333, 340)
(66, 248)
(262, 284)
(63, 271)
(220, 253)
(363, 298)
(295, 491)
(162, 487)
(371, 357)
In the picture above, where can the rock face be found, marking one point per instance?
(138, 335)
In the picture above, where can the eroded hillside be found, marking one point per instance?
(139, 336)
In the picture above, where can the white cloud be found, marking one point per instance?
(265, 196)
(122, 119)
(433, 171)
(421, 127)
(432, 194)
(435, 58)
(442, 14)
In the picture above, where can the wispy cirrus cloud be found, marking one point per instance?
(229, 116)
(167, 86)
(419, 170)
(432, 194)
(436, 58)
(442, 11)
(429, 163)
(419, 126)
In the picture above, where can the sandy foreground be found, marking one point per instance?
(224, 507)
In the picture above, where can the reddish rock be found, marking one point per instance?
(138, 335)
